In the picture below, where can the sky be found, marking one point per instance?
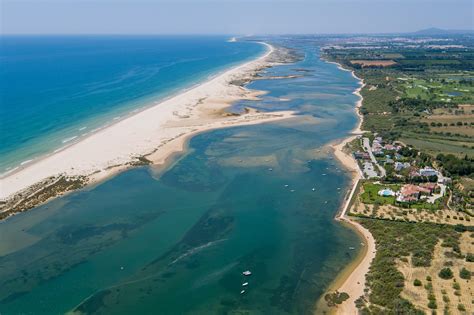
(243, 17)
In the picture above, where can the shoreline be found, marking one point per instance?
(148, 136)
(352, 278)
(113, 119)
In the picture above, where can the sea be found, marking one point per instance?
(55, 90)
(150, 240)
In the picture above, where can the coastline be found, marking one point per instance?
(352, 278)
(149, 136)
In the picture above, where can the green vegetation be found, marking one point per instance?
(396, 98)
(456, 166)
(446, 273)
(371, 196)
(396, 240)
(464, 274)
(423, 97)
(432, 304)
(417, 283)
(332, 299)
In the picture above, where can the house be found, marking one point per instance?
(414, 173)
(411, 192)
(358, 155)
(389, 161)
(389, 147)
(398, 166)
(377, 151)
(430, 186)
(428, 171)
(398, 156)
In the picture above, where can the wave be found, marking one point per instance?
(82, 128)
(26, 162)
(69, 139)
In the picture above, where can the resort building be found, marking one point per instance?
(428, 171)
(412, 193)
(398, 166)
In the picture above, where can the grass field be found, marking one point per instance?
(370, 194)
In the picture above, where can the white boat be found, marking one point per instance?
(245, 284)
(247, 273)
(314, 189)
(242, 292)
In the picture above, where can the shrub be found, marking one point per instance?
(446, 273)
(336, 298)
(470, 257)
(461, 307)
(464, 273)
(432, 304)
(456, 286)
(417, 283)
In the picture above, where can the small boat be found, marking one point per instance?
(314, 189)
(245, 284)
(286, 185)
(324, 174)
(270, 169)
(242, 292)
(292, 190)
(352, 248)
(247, 273)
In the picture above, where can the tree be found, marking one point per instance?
(464, 273)
(446, 273)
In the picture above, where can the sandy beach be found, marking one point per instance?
(151, 135)
(352, 279)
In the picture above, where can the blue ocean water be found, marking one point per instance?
(173, 242)
(56, 88)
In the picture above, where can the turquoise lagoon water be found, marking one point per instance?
(147, 242)
(55, 89)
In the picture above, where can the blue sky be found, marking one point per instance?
(231, 16)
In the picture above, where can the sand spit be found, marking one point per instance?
(148, 136)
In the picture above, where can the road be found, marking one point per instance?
(368, 149)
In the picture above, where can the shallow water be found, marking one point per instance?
(241, 198)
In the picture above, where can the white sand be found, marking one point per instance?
(161, 130)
